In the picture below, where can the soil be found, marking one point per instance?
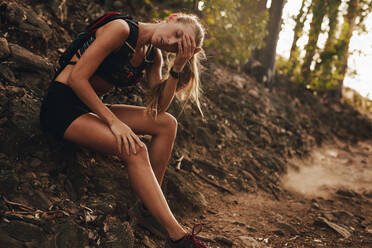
(334, 182)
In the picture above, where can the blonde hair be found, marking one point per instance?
(188, 85)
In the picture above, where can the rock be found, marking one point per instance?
(251, 229)
(369, 229)
(286, 229)
(4, 48)
(24, 119)
(25, 60)
(118, 233)
(105, 203)
(250, 242)
(347, 193)
(183, 191)
(7, 241)
(39, 200)
(117, 5)
(25, 232)
(26, 21)
(8, 182)
(337, 228)
(238, 223)
(279, 232)
(147, 242)
(35, 162)
(59, 8)
(224, 241)
(71, 235)
(6, 73)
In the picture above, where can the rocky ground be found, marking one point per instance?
(266, 167)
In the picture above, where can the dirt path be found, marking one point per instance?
(327, 203)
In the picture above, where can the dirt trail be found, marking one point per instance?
(332, 186)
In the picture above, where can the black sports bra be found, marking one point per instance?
(116, 67)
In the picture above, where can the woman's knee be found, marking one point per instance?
(140, 157)
(169, 123)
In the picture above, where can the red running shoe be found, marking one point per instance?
(188, 241)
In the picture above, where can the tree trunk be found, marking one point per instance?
(318, 9)
(325, 65)
(298, 30)
(300, 21)
(346, 34)
(268, 53)
(196, 7)
(261, 6)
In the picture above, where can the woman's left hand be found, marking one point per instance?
(186, 49)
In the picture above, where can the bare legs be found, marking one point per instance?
(89, 131)
(163, 131)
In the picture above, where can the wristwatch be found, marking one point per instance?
(174, 74)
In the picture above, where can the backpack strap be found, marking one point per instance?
(131, 41)
(99, 22)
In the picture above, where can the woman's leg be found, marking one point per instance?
(163, 131)
(90, 131)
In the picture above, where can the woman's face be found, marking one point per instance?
(167, 35)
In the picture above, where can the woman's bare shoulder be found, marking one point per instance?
(118, 30)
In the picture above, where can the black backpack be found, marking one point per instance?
(78, 42)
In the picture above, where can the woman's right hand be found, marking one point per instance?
(126, 139)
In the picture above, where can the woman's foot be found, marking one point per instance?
(188, 241)
(144, 218)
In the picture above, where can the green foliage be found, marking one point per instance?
(234, 29)
(331, 61)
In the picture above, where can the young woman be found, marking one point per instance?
(73, 110)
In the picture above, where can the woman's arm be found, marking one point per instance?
(108, 39)
(154, 78)
(186, 49)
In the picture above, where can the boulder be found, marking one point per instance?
(4, 48)
(26, 21)
(25, 60)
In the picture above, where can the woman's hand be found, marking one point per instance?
(186, 49)
(126, 139)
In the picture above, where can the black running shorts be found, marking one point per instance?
(60, 107)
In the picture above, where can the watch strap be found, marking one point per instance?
(174, 74)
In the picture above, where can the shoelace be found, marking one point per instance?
(193, 239)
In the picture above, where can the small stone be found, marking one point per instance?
(147, 242)
(315, 205)
(347, 193)
(35, 162)
(238, 223)
(251, 229)
(117, 5)
(337, 228)
(224, 241)
(279, 232)
(249, 242)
